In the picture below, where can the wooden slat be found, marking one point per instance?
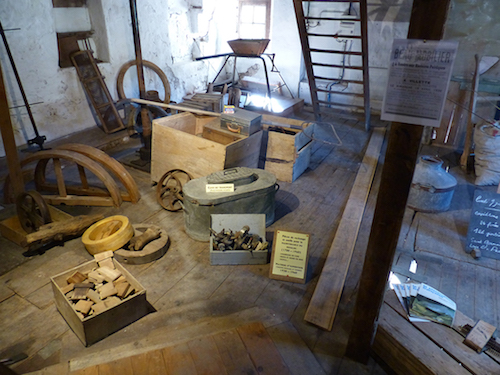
(325, 300)
(233, 353)
(262, 350)
(9, 142)
(293, 350)
(408, 351)
(206, 356)
(337, 52)
(61, 186)
(339, 66)
(149, 363)
(178, 360)
(449, 340)
(121, 366)
(94, 370)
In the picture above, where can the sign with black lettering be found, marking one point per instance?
(484, 224)
(289, 257)
(418, 78)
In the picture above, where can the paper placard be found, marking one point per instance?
(290, 256)
(484, 224)
(418, 79)
(219, 188)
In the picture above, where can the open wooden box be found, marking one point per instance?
(179, 142)
(287, 154)
(94, 328)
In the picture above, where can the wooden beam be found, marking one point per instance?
(427, 22)
(9, 142)
(325, 300)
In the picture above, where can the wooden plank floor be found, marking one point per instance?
(194, 300)
(248, 349)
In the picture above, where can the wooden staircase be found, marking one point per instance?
(326, 64)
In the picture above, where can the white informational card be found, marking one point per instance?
(418, 80)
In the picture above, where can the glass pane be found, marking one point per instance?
(259, 15)
(246, 15)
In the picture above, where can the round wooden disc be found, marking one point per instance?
(151, 252)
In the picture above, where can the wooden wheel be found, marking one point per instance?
(169, 189)
(147, 64)
(32, 211)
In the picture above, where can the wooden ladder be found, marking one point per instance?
(97, 91)
(321, 63)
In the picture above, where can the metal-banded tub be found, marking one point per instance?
(254, 193)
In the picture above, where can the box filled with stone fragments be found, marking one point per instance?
(98, 298)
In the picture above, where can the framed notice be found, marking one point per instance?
(290, 256)
(418, 79)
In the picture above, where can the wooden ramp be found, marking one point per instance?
(248, 349)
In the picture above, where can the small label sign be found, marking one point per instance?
(219, 188)
(289, 256)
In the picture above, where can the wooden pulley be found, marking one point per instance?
(169, 189)
(32, 211)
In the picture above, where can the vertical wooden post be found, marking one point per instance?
(9, 142)
(427, 22)
(146, 125)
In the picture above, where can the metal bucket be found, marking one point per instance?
(432, 187)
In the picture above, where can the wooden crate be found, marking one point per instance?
(287, 156)
(96, 327)
(234, 222)
(178, 143)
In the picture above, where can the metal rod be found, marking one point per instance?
(19, 106)
(30, 114)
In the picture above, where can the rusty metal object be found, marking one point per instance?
(169, 189)
(32, 211)
(241, 240)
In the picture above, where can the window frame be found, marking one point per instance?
(266, 3)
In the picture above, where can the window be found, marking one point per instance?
(254, 19)
(79, 25)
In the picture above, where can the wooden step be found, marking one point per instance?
(250, 349)
(337, 52)
(335, 36)
(332, 19)
(336, 79)
(345, 105)
(338, 66)
(356, 94)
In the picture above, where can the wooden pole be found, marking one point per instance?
(427, 22)
(9, 142)
(146, 124)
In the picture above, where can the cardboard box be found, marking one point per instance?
(257, 224)
(178, 143)
(93, 328)
(287, 154)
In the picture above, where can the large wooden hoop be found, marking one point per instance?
(148, 64)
